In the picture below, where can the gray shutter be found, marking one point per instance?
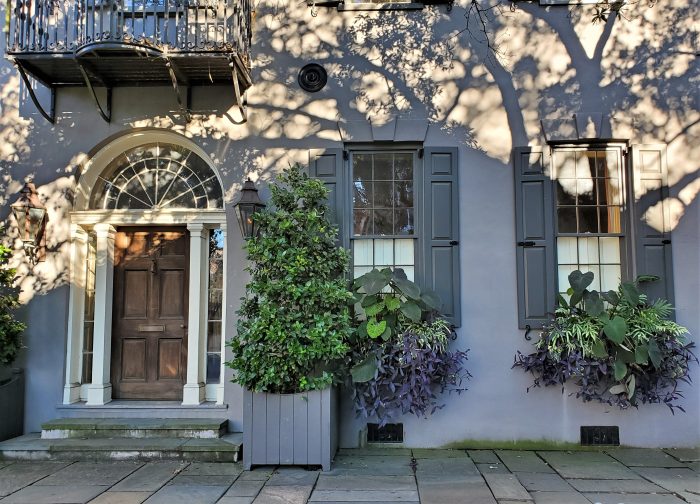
(327, 165)
(535, 239)
(440, 231)
(651, 219)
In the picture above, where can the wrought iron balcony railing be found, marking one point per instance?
(115, 43)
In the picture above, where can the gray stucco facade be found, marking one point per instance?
(394, 73)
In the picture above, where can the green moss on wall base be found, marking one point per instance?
(519, 444)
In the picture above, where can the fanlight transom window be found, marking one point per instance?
(158, 176)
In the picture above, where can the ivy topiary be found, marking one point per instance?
(10, 329)
(294, 320)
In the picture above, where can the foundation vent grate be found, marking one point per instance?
(390, 433)
(597, 435)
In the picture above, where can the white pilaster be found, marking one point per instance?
(193, 391)
(100, 390)
(76, 312)
(220, 388)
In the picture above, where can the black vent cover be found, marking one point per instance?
(390, 433)
(312, 77)
(597, 435)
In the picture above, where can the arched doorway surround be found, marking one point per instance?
(142, 180)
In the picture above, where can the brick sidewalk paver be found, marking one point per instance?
(374, 475)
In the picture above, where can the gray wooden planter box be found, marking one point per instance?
(11, 403)
(290, 429)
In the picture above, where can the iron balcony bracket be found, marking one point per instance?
(107, 116)
(237, 90)
(185, 109)
(51, 114)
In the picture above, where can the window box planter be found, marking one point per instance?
(290, 429)
(11, 403)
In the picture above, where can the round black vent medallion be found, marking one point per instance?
(312, 77)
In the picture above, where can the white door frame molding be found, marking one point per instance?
(104, 223)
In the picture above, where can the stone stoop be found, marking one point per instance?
(202, 440)
(135, 428)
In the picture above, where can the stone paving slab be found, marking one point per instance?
(91, 473)
(676, 480)
(326, 482)
(176, 494)
(523, 461)
(73, 494)
(150, 477)
(375, 452)
(203, 479)
(448, 470)
(641, 457)
(559, 498)
(121, 497)
(492, 468)
(506, 486)
(293, 477)
(364, 495)
(21, 474)
(437, 492)
(423, 453)
(257, 474)
(235, 500)
(617, 498)
(685, 454)
(245, 488)
(615, 486)
(380, 465)
(293, 494)
(544, 482)
(587, 465)
(483, 456)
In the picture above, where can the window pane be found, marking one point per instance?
(403, 222)
(564, 271)
(383, 195)
(410, 272)
(610, 277)
(383, 222)
(587, 220)
(363, 252)
(566, 192)
(585, 192)
(588, 250)
(362, 167)
(403, 194)
(383, 253)
(358, 271)
(404, 252)
(610, 221)
(383, 166)
(403, 167)
(362, 194)
(362, 222)
(213, 367)
(585, 165)
(566, 251)
(566, 165)
(610, 250)
(566, 218)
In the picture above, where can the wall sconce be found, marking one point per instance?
(248, 204)
(30, 215)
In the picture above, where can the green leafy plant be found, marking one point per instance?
(621, 348)
(10, 329)
(294, 321)
(400, 350)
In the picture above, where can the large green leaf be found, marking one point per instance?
(374, 309)
(562, 301)
(392, 303)
(369, 300)
(579, 281)
(374, 287)
(618, 389)
(399, 273)
(616, 329)
(375, 329)
(407, 288)
(631, 293)
(431, 300)
(599, 349)
(365, 370)
(611, 297)
(626, 356)
(411, 310)
(593, 303)
(641, 354)
(620, 370)
(655, 355)
(631, 385)
(648, 278)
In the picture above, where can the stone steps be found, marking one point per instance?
(32, 447)
(134, 428)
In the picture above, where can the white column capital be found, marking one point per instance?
(78, 233)
(105, 230)
(196, 229)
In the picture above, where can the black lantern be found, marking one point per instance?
(30, 215)
(247, 205)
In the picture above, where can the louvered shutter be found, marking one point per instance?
(535, 237)
(651, 219)
(440, 232)
(327, 165)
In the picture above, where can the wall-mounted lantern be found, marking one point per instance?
(30, 215)
(248, 204)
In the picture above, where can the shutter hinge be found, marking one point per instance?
(454, 242)
(526, 244)
(666, 242)
(421, 153)
(346, 155)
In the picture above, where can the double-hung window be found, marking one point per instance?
(397, 207)
(599, 208)
(383, 211)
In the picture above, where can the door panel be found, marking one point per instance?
(149, 335)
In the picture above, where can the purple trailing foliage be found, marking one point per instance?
(409, 377)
